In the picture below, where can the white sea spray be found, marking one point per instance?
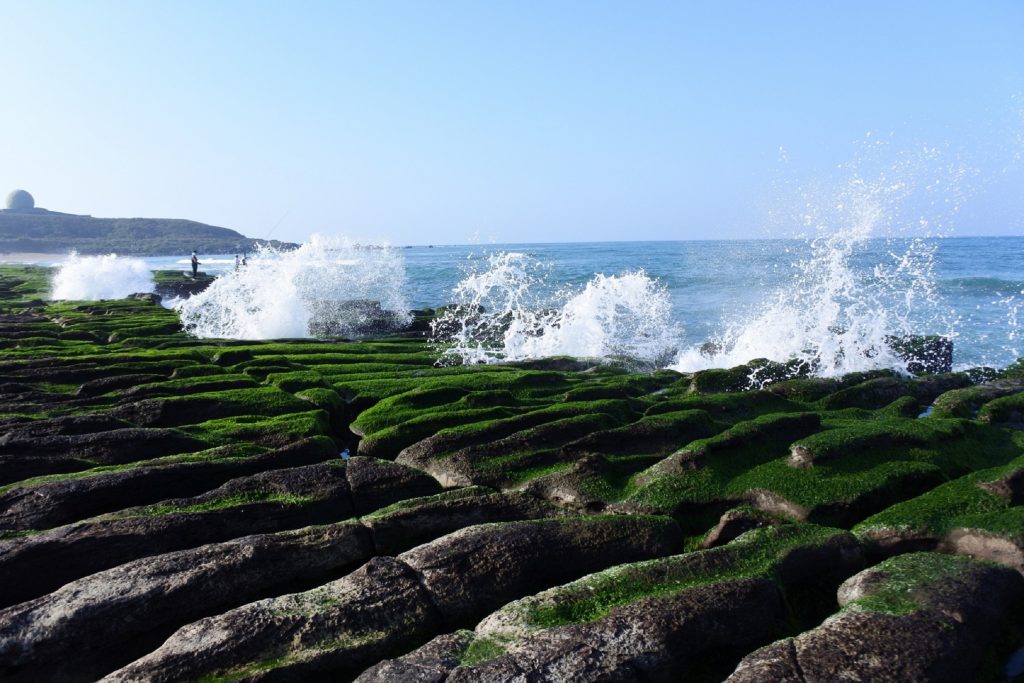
(100, 277)
(835, 313)
(328, 286)
(504, 312)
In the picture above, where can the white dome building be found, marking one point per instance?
(19, 200)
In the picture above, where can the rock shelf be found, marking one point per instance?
(181, 509)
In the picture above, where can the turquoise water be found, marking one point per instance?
(967, 288)
(978, 282)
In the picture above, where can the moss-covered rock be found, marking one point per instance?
(50, 501)
(974, 515)
(922, 617)
(136, 460)
(140, 602)
(1007, 410)
(655, 617)
(390, 603)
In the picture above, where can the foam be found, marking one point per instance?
(835, 313)
(287, 294)
(100, 277)
(627, 315)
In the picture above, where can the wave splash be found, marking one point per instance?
(830, 317)
(504, 313)
(326, 287)
(91, 278)
(839, 313)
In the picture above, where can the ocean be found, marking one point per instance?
(836, 296)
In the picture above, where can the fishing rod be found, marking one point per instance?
(279, 221)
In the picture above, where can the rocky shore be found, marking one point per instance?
(178, 509)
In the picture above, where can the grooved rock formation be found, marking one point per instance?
(183, 509)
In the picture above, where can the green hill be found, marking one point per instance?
(49, 232)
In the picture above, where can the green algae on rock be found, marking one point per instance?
(921, 616)
(130, 451)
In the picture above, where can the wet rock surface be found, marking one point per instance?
(182, 509)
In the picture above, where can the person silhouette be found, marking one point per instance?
(195, 264)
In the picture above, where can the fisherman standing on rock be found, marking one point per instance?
(195, 264)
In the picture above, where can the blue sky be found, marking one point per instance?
(449, 122)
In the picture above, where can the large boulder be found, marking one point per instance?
(62, 453)
(648, 620)
(412, 522)
(918, 617)
(474, 570)
(377, 483)
(339, 627)
(393, 604)
(116, 615)
(270, 501)
(654, 639)
(54, 501)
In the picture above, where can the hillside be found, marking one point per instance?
(42, 231)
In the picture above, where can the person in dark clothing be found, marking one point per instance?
(195, 264)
